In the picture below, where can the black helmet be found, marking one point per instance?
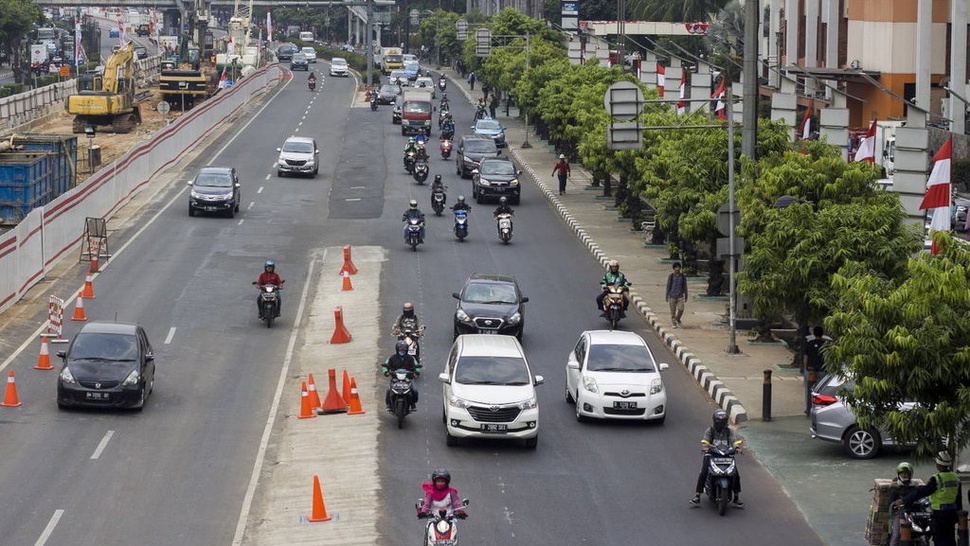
(401, 347)
(441, 473)
(437, 178)
(502, 200)
(413, 204)
(720, 419)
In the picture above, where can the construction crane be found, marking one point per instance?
(108, 97)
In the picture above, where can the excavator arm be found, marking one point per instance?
(120, 68)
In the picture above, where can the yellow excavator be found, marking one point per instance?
(108, 97)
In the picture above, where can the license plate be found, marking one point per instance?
(96, 395)
(495, 427)
(624, 405)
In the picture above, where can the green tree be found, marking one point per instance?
(687, 11)
(907, 339)
(439, 30)
(16, 19)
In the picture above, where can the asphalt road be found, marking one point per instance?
(175, 473)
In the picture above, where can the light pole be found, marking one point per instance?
(437, 37)
(527, 66)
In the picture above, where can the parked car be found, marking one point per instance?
(490, 304)
(388, 93)
(298, 155)
(107, 364)
(339, 67)
(490, 128)
(613, 375)
(489, 391)
(311, 54)
(299, 62)
(215, 189)
(832, 420)
(496, 177)
(470, 152)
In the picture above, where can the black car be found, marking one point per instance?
(299, 62)
(496, 177)
(107, 364)
(388, 93)
(285, 52)
(215, 189)
(470, 152)
(490, 304)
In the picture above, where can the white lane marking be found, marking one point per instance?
(260, 190)
(241, 220)
(170, 336)
(102, 444)
(42, 539)
(352, 199)
(251, 205)
(270, 174)
(274, 410)
(358, 187)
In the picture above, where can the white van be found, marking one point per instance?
(306, 36)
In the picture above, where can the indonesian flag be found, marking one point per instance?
(867, 148)
(937, 196)
(269, 25)
(661, 79)
(681, 105)
(223, 78)
(121, 32)
(806, 130)
(720, 110)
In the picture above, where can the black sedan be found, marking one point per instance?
(490, 304)
(107, 364)
(388, 93)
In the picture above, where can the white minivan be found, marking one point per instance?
(489, 391)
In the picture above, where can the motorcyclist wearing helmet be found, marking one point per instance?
(613, 277)
(413, 212)
(269, 276)
(408, 320)
(410, 147)
(438, 494)
(719, 433)
(901, 487)
(401, 359)
(502, 208)
(448, 125)
(438, 185)
(461, 205)
(944, 492)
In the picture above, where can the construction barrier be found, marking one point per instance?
(340, 333)
(346, 284)
(333, 403)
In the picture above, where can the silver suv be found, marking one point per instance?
(298, 156)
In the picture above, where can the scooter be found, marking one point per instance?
(504, 224)
(442, 83)
(410, 338)
(312, 84)
(920, 516)
(373, 102)
(409, 160)
(721, 473)
(420, 173)
(441, 529)
(402, 381)
(480, 113)
(461, 224)
(269, 303)
(613, 305)
(412, 233)
(445, 147)
(438, 201)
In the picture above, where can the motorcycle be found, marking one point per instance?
(504, 224)
(402, 381)
(421, 169)
(410, 337)
(412, 233)
(920, 516)
(438, 201)
(447, 134)
(441, 529)
(721, 473)
(442, 83)
(269, 303)
(409, 159)
(461, 224)
(312, 84)
(613, 305)
(445, 147)
(480, 113)
(373, 102)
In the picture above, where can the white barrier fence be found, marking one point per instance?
(52, 232)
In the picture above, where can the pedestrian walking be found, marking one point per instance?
(508, 103)
(813, 362)
(676, 295)
(471, 80)
(562, 168)
(493, 104)
(486, 89)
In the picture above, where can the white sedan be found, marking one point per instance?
(311, 54)
(613, 375)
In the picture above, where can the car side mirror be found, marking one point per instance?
(189, 182)
(518, 173)
(62, 354)
(238, 185)
(538, 380)
(455, 295)
(316, 151)
(525, 299)
(279, 150)
(571, 362)
(663, 366)
(444, 378)
(149, 357)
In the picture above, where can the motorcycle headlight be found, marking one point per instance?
(67, 376)
(515, 318)
(131, 380)
(590, 384)
(462, 316)
(456, 402)
(656, 386)
(531, 403)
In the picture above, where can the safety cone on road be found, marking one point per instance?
(318, 511)
(333, 403)
(79, 309)
(355, 407)
(44, 360)
(95, 264)
(88, 291)
(314, 395)
(340, 333)
(10, 395)
(348, 263)
(347, 285)
(306, 412)
(345, 389)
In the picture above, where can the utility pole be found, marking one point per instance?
(369, 42)
(749, 129)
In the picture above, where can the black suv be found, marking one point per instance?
(215, 189)
(299, 62)
(490, 304)
(285, 52)
(497, 177)
(470, 152)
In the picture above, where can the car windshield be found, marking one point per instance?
(298, 146)
(398, 74)
(299, 57)
(338, 62)
(388, 89)
(492, 370)
(480, 146)
(490, 293)
(393, 59)
(112, 347)
(619, 358)
(413, 107)
(497, 167)
(488, 125)
(308, 51)
(213, 180)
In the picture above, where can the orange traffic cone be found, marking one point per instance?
(314, 395)
(345, 390)
(348, 266)
(79, 309)
(355, 408)
(88, 291)
(44, 360)
(347, 285)
(95, 265)
(340, 333)
(319, 510)
(333, 403)
(10, 395)
(306, 411)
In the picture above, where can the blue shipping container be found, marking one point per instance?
(65, 163)
(40, 168)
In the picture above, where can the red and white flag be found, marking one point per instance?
(121, 32)
(720, 110)
(806, 129)
(867, 148)
(269, 26)
(937, 197)
(78, 53)
(661, 79)
(223, 78)
(682, 104)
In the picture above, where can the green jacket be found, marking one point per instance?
(615, 279)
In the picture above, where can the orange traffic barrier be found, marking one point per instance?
(347, 285)
(355, 407)
(333, 403)
(44, 360)
(340, 333)
(88, 290)
(306, 411)
(95, 265)
(319, 510)
(79, 309)
(348, 263)
(345, 390)
(10, 395)
(314, 395)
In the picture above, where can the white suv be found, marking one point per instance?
(489, 391)
(298, 156)
(338, 67)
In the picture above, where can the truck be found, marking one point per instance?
(416, 111)
(391, 59)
